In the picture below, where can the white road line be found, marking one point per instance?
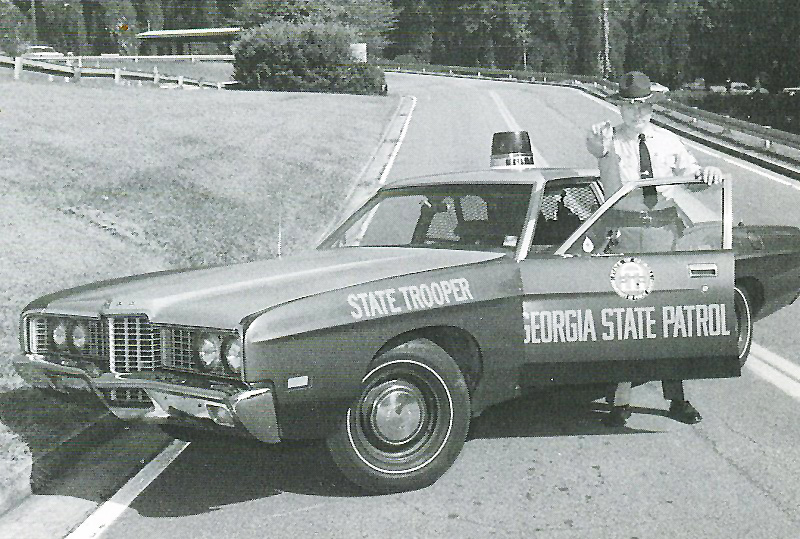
(787, 367)
(512, 124)
(747, 166)
(774, 377)
(400, 139)
(105, 515)
(776, 370)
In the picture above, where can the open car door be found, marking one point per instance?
(642, 290)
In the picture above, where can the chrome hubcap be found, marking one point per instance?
(396, 411)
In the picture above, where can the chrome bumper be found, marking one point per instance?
(254, 409)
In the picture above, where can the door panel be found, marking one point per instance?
(623, 304)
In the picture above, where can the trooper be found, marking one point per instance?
(628, 152)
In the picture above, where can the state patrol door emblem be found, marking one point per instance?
(632, 279)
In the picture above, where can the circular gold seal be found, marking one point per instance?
(632, 279)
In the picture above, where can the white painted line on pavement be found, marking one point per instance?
(758, 363)
(790, 369)
(400, 139)
(512, 124)
(105, 515)
(747, 166)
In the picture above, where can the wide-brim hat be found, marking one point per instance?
(635, 87)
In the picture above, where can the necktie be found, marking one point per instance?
(646, 171)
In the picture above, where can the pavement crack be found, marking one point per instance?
(750, 478)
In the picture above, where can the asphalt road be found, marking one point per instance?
(541, 466)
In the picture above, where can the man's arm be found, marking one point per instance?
(685, 163)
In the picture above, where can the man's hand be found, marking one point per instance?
(710, 175)
(599, 140)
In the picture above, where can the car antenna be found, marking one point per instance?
(280, 227)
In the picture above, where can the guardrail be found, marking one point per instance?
(76, 72)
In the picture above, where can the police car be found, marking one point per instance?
(438, 298)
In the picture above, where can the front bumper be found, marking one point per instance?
(250, 409)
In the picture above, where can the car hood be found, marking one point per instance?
(222, 296)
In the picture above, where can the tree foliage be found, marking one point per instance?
(304, 56)
(671, 40)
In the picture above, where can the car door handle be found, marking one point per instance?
(702, 270)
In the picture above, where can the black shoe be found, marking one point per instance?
(684, 412)
(617, 416)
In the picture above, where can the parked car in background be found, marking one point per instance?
(656, 87)
(792, 90)
(41, 52)
(697, 84)
(741, 88)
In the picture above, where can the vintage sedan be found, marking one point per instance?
(438, 298)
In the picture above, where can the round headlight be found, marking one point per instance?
(232, 350)
(209, 352)
(79, 336)
(59, 334)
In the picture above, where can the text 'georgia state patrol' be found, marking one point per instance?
(624, 323)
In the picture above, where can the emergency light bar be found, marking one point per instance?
(511, 149)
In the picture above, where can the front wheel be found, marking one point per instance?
(744, 323)
(409, 423)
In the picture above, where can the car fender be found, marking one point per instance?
(315, 350)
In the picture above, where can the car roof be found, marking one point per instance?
(511, 175)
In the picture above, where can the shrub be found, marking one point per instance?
(310, 57)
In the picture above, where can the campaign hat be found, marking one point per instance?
(635, 87)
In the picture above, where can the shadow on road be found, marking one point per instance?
(567, 411)
(213, 473)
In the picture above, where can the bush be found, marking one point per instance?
(308, 57)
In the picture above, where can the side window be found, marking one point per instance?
(681, 217)
(562, 211)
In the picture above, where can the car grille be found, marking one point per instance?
(127, 397)
(126, 344)
(134, 344)
(39, 330)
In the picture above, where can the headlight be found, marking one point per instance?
(79, 336)
(209, 351)
(232, 351)
(59, 334)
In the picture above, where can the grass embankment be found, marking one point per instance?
(105, 182)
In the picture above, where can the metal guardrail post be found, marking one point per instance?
(117, 75)
(17, 67)
(76, 74)
(155, 75)
(180, 81)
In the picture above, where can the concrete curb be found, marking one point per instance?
(49, 464)
(368, 180)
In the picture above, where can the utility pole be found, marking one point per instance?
(33, 20)
(604, 20)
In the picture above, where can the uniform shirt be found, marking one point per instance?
(668, 157)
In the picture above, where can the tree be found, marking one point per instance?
(15, 28)
(413, 33)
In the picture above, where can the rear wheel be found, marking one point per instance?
(409, 423)
(744, 323)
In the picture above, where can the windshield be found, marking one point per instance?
(474, 217)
